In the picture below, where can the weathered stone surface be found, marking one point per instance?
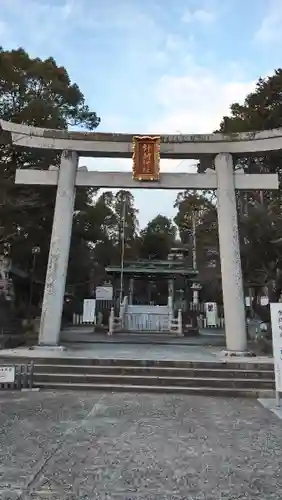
(71, 446)
(121, 137)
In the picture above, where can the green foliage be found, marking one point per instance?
(38, 93)
(261, 110)
(116, 213)
(157, 238)
(197, 215)
(192, 205)
(260, 213)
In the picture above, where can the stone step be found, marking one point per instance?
(64, 360)
(149, 380)
(155, 370)
(191, 377)
(201, 391)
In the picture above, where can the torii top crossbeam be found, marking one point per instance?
(97, 144)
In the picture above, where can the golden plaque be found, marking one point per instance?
(146, 158)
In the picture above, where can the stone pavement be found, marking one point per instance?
(87, 446)
(271, 405)
(133, 351)
(86, 335)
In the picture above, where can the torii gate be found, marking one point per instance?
(214, 147)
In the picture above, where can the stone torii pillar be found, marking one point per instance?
(224, 179)
(229, 245)
(51, 315)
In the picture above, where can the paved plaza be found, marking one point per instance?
(126, 351)
(86, 446)
(211, 336)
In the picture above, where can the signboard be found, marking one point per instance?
(264, 301)
(146, 158)
(211, 313)
(89, 306)
(104, 292)
(276, 326)
(7, 374)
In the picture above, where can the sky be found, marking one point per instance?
(152, 66)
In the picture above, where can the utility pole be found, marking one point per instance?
(122, 251)
(35, 251)
(194, 240)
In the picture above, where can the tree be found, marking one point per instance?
(157, 238)
(117, 212)
(259, 213)
(193, 205)
(39, 93)
(197, 212)
(261, 243)
(126, 216)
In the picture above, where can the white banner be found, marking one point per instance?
(7, 374)
(89, 306)
(276, 325)
(211, 313)
(104, 292)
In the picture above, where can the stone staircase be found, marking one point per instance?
(188, 377)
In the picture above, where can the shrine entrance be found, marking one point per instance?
(213, 151)
(147, 318)
(154, 290)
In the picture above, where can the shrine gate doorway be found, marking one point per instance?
(211, 149)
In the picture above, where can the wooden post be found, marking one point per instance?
(179, 323)
(111, 321)
(170, 314)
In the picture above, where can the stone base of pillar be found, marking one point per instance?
(52, 348)
(232, 354)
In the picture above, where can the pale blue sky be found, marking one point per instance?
(152, 66)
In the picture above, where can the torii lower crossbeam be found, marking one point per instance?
(168, 180)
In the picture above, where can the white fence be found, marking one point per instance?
(145, 319)
(77, 319)
(151, 322)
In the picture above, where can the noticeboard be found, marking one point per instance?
(276, 326)
(104, 292)
(7, 374)
(211, 313)
(89, 308)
